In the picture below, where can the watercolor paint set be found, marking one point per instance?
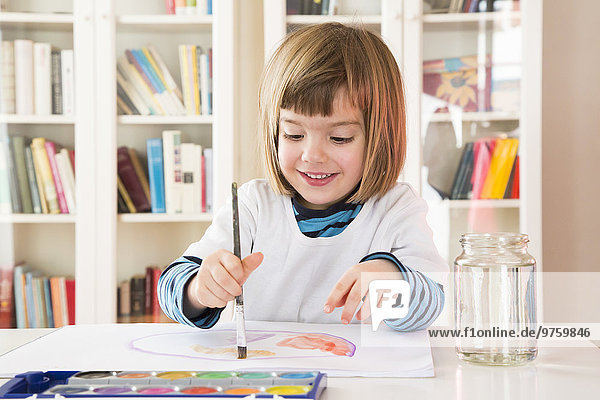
(204, 384)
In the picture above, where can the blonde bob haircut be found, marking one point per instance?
(304, 75)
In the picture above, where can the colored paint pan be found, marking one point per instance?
(174, 375)
(110, 390)
(94, 374)
(69, 389)
(242, 390)
(155, 390)
(298, 375)
(283, 390)
(200, 390)
(215, 375)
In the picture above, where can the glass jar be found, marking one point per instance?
(495, 299)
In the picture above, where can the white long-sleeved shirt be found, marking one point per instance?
(298, 272)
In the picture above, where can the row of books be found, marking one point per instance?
(36, 79)
(36, 177)
(189, 7)
(488, 169)
(145, 86)
(178, 178)
(30, 300)
(456, 81)
(468, 6)
(312, 7)
(137, 296)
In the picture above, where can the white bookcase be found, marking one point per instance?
(96, 245)
(414, 37)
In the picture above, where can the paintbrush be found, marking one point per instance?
(239, 300)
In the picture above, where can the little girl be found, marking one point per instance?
(334, 141)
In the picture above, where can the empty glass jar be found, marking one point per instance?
(495, 299)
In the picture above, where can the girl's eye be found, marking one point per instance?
(292, 137)
(341, 140)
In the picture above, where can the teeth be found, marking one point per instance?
(317, 176)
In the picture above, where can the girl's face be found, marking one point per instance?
(322, 157)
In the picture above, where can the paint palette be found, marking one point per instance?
(205, 384)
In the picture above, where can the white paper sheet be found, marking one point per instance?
(335, 349)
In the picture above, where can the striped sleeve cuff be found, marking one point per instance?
(171, 287)
(426, 297)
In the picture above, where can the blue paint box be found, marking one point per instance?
(203, 384)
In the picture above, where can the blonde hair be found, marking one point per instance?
(304, 75)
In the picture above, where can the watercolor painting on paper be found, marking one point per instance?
(220, 344)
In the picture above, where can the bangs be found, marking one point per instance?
(325, 66)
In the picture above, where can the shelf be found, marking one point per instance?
(159, 217)
(165, 23)
(460, 204)
(164, 119)
(477, 117)
(471, 17)
(37, 119)
(37, 218)
(344, 19)
(34, 20)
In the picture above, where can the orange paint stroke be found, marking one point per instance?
(311, 341)
(230, 350)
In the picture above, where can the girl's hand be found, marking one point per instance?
(348, 291)
(220, 279)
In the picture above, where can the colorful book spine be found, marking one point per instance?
(130, 180)
(44, 174)
(156, 174)
(18, 148)
(7, 94)
(60, 193)
(32, 180)
(6, 297)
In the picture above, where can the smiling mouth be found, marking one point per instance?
(317, 176)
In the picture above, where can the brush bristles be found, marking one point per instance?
(242, 352)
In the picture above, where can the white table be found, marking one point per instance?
(557, 373)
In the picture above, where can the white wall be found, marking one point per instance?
(571, 135)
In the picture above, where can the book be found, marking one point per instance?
(20, 300)
(122, 192)
(499, 170)
(199, 180)
(7, 92)
(172, 170)
(32, 180)
(7, 296)
(138, 285)
(207, 182)
(455, 80)
(185, 79)
(56, 301)
(67, 178)
(125, 298)
(130, 180)
(461, 173)
(43, 176)
(188, 178)
(13, 180)
(170, 82)
(131, 74)
(24, 96)
(45, 282)
(483, 150)
(18, 149)
(148, 291)
(170, 6)
(5, 200)
(42, 78)
(70, 294)
(60, 193)
(163, 74)
(67, 82)
(156, 174)
(57, 107)
(156, 310)
(139, 171)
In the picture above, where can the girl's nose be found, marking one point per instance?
(314, 152)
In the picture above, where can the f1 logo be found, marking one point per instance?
(389, 299)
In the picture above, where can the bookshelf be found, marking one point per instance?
(96, 245)
(415, 37)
